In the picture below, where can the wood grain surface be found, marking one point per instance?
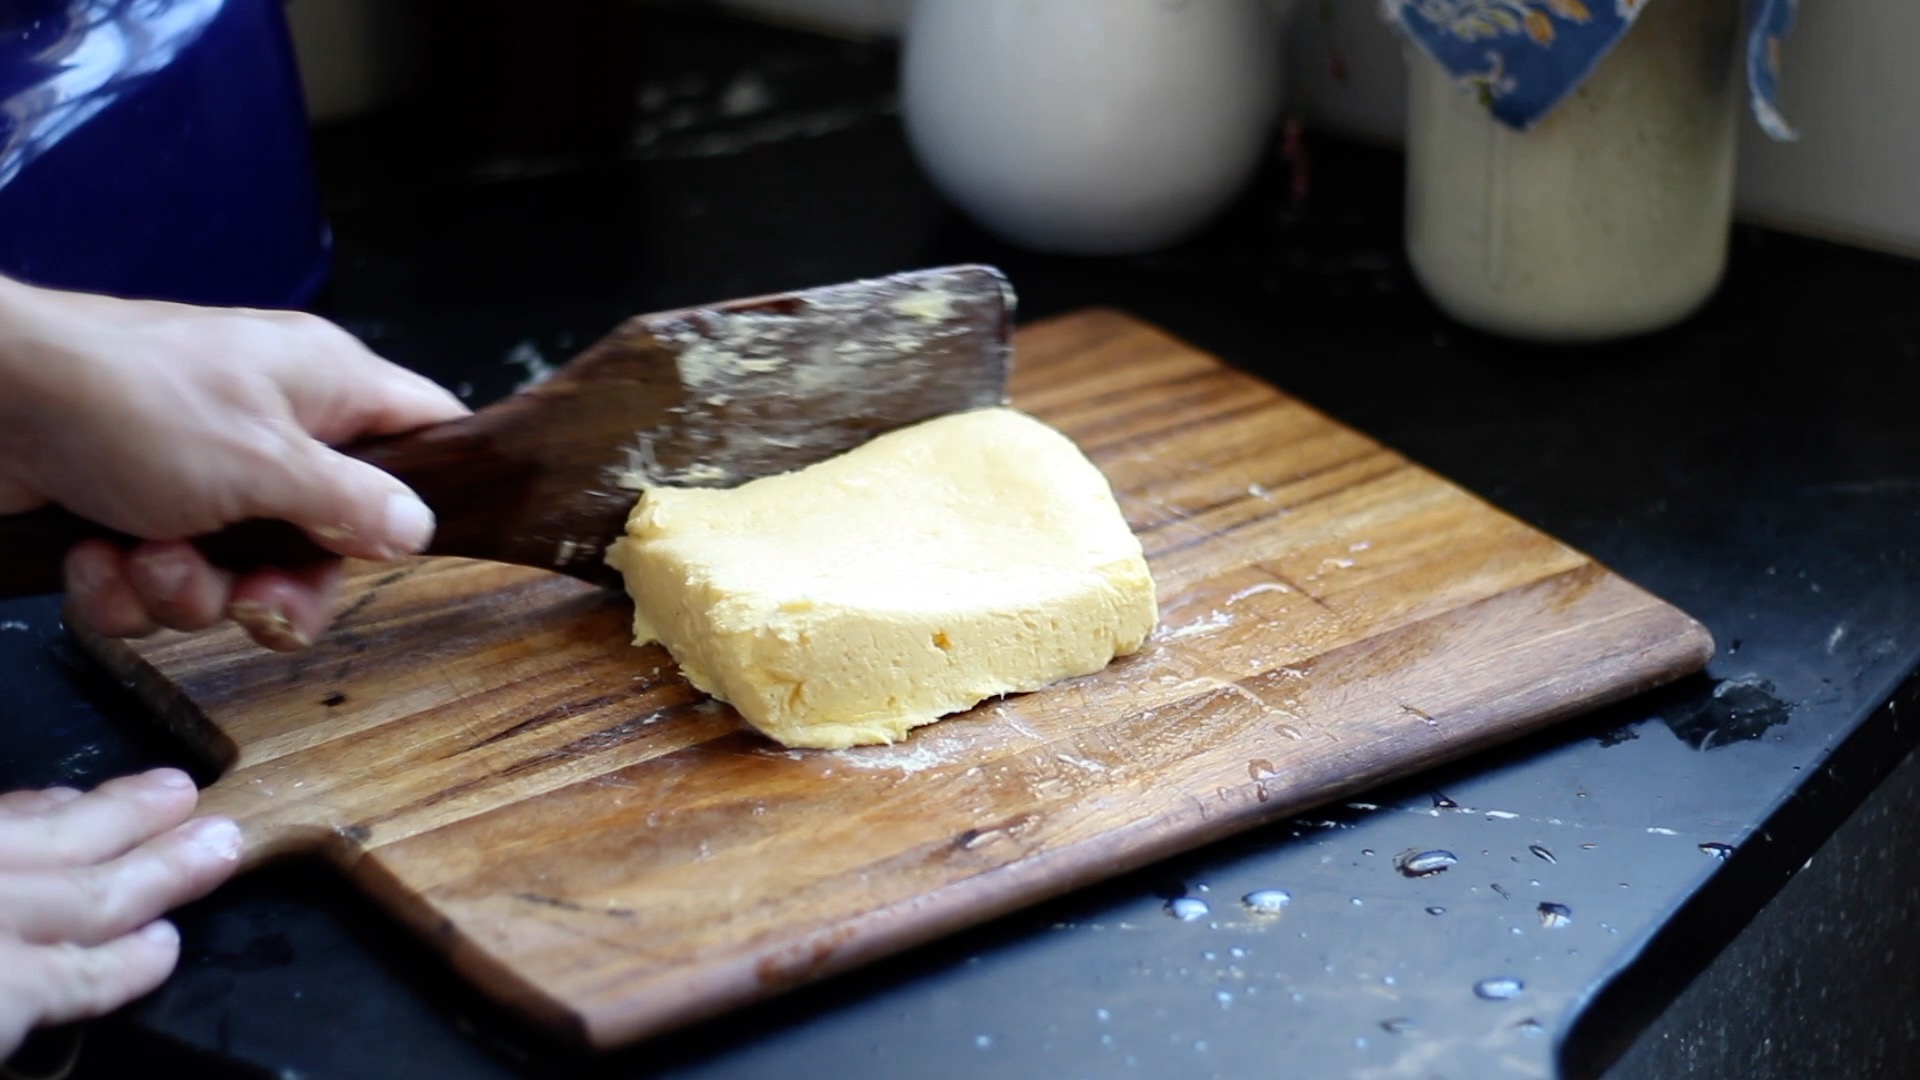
(601, 848)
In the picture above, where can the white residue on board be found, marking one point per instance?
(1256, 590)
(1214, 620)
(906, 757)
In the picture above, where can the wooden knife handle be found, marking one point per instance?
(34, 545)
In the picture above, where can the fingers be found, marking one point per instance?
(177, 586)
(390, 399)
(34, 802)
(341, 390)
(83, 880)
(102, 824)
(336, 390)
(286, 610)
(169, 583)
(99, 594)
(350, 507)
(90, 905)
(55, 984)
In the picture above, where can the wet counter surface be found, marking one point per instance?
(1528, 912)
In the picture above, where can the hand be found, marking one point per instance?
(166, 421)
(83, 881)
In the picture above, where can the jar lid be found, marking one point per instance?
(1522, 57)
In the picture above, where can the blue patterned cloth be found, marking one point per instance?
(1524, 56)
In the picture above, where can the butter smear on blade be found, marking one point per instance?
(913, 577)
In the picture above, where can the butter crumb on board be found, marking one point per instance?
(911, 578)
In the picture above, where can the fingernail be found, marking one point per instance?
(161, 933)
(268, 626)
(166, 572)
(172, 779)
(409, 524)
(335, 533)
(218, 837)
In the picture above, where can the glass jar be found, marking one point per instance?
(1610, 217)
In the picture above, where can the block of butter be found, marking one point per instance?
(936, 566)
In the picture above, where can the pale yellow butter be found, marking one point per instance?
(913, 577)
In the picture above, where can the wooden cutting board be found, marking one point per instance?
(601, 848)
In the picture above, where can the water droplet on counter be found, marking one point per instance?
(1530, 1026)
(1356, 901)
(1237, 952)
(1267, 901)
(1554, 916)
(1224, 997)
(983, 1041)
(1417, 864)
(1397, 1025)
(1441, 802)
(1542, 853)
(1498, 988)
(1188, 908)
(1102, 1015)
(1261, 769)
(1504, 894)
(1589, 846)
(1718, 851)
(1436, 910)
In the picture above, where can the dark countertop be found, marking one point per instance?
(1778, 501)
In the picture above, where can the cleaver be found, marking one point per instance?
(709, 396)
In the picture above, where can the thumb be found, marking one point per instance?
(346, 505)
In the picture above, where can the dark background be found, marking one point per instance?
(1758, 467)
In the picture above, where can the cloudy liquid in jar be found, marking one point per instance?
(1610, 217)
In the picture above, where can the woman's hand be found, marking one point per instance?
(166, 421)
(84, 880)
